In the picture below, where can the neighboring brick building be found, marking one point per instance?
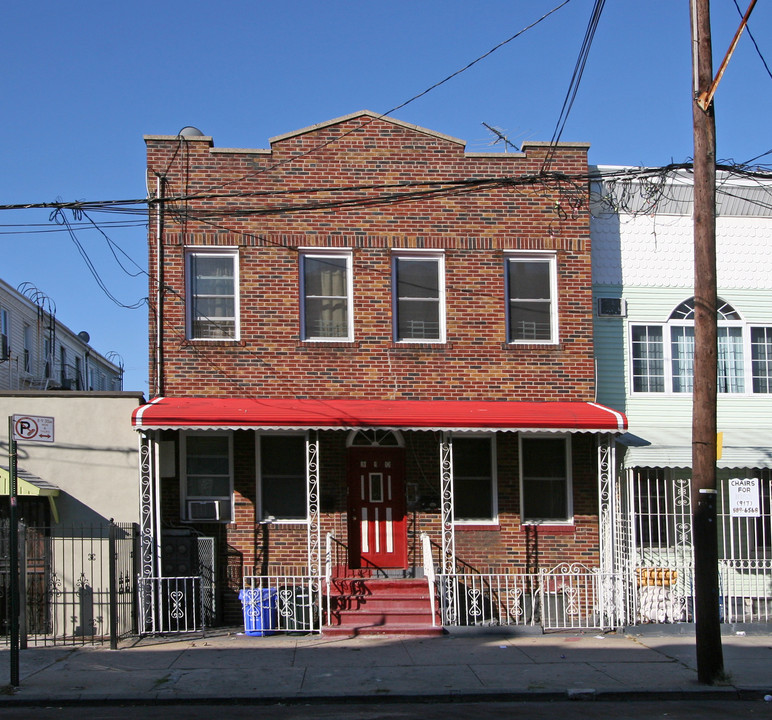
(368, 332)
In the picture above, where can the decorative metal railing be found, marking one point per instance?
(281, 603)
(176, 605)
(569, 596)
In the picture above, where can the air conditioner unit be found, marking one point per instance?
(203, 510)
(612, 307)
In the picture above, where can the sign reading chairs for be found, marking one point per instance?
(744, 497)
(33, 428)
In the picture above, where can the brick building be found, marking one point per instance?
(367, 335)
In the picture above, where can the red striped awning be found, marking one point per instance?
(209, 413)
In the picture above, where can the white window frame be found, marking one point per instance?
(321, 254)
(667, 355)
(185, 497)
(768, 331)
(260, 513)
(221, 252)
(494, 519)
(567, 439)
(550, 259)
(408, 255)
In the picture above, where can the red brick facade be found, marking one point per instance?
(271, 205)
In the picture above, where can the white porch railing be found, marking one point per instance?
(171, 604)
(281, 603)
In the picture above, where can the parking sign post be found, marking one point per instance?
(30, 428)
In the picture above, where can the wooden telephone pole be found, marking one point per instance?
(710, 662)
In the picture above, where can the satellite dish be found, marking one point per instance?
(190, 131)
(83, 335)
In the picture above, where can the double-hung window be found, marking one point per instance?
(474, 479)
(663, 355)
(531, 283)
(207, 477)
(326, 296)
(212, 294)
(761, 359)
(545, 479)
(419, 297)
(5, 332)
(282, 477)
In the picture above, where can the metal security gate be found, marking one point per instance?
(663, 555)
(76, 583)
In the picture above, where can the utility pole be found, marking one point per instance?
(710, 661)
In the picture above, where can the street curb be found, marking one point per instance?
(569, 695)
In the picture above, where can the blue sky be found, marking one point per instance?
(83, 82)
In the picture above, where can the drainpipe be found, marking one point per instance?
(159, 389)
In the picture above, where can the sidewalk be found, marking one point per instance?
(233, 667)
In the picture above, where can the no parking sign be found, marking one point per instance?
(33, 428)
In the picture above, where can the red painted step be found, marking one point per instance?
(363, 606)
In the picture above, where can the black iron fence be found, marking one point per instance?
(77, 584)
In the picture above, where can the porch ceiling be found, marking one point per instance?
(192, 413)
(664, 446)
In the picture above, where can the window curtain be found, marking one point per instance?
(333, 309)
(325, 297)
(682, 349)
(731, 377)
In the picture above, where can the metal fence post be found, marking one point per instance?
(113, 585)
(22, 586)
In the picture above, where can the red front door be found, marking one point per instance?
(377, 528)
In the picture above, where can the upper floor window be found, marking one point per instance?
(419, 297)
(531, 283)
(28, 342)
(5, 332)
(663, 355)
(326, 303)
(212, 295)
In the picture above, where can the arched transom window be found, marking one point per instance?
(663, 354)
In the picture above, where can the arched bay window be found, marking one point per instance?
(663, 354)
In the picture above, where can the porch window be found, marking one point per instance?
(531, 299)
(207, 479)
(545, 486)
(326, 306)
(283, 477)
(212, 297)
(474, 480)
(419, 297)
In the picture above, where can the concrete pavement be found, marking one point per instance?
(231, 667)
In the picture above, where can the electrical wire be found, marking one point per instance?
(59, 217)
(576, 78)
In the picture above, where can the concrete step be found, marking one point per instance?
(407, 629)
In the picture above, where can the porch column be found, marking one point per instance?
(147, 510)
(446, 494)
(608, 519)
(312, 505)
(149, 536)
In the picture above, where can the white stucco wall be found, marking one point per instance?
(94, 456)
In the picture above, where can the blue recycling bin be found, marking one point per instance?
(259, 605)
